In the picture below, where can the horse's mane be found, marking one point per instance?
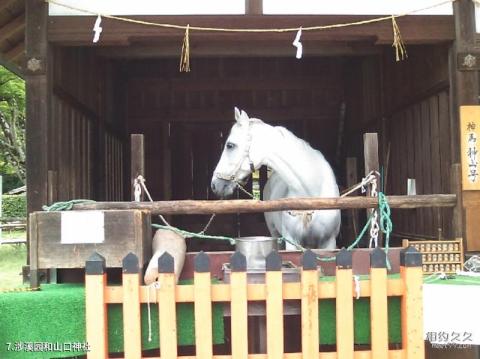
(287, 135)
(290, 136)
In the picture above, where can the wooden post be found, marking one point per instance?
(167, 315)
(344, 304)
(412, 303)
(456, 187)
(203, 307)
(464, 91)
(378, 303)
(352, 179)
(33, 252)
(309, 302)
(131, 307)
(137, 161)
(274, 303)
(37, 105)
(370, 152)
(253, 7)
(96, 306)
(239, 305)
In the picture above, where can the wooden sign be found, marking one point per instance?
(470, 145)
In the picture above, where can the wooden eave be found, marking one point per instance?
(77, 30)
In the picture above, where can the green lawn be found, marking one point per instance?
(6, 234)
(12, 258)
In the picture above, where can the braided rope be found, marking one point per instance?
(66, 205)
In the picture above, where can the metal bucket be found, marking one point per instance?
(256, 249)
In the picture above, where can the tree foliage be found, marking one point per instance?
(12, 124)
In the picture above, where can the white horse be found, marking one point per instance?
(298, 170)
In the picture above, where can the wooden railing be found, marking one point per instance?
(309, 290)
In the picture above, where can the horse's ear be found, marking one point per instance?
(238, 115)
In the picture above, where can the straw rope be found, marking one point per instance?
(258, 30)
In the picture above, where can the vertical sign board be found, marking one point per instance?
(470, 146)
(470, 157)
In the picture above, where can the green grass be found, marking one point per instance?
(6, 234)
(12, 258)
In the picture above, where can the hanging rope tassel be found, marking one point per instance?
(185, 56)
(398, 44)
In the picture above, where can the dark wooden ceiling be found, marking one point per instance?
(12, 34)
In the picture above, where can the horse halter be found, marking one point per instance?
(246, 155)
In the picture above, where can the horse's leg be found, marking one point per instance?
(330, 243)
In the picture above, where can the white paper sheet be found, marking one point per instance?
(451, 314)
(82, 227)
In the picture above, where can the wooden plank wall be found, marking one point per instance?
(186, 117)
(416, 102)
(85, 151)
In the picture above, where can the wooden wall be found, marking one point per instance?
(86, 145)
(416, 105)
(186, 117)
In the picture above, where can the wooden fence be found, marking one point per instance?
(202, 293)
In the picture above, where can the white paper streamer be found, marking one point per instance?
(298, 44)
(97, 29)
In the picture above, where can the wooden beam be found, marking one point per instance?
(240, 48)
(415, 29)
(14, 53)
(12, 27)
(12, 67)
(5, 4)
(252, 206)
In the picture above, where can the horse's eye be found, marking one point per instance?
(230, 146)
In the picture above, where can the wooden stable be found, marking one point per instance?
(84, 100)
(238, 293)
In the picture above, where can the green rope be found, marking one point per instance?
(331, 259)
(195, 235)
(65, 206)
(386, 225)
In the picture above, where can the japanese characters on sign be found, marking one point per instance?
(470, 141)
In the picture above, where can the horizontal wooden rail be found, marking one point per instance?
(255, 292)
(251, 206)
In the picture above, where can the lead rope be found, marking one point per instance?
(155, 285)
(374, 227)
(140, 182)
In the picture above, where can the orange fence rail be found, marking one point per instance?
(308, 290)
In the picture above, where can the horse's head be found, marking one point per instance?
(239, 159)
